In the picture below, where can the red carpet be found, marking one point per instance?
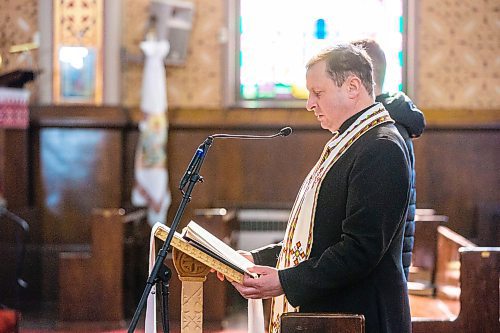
(121, 331)
(117, 331)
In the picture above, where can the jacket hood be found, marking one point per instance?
(404, 112)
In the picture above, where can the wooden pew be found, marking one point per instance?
(91, 283)
(467, 294)
(296, 322)
(447, 278)
(467, 290)
(443, 302)
(423, 267)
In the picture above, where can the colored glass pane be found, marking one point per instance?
(275, 47)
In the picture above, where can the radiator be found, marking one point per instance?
(259, 227)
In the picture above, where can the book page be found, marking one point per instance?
(197, 234)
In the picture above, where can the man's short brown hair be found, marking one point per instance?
(343, 60)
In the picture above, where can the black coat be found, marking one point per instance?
(355, 264)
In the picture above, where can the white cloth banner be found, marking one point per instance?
(255, 316)
(150, 322)
(151, 177)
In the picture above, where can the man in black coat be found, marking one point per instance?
(342, 250)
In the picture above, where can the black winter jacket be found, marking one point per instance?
(410, 123)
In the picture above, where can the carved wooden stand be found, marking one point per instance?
(192, 274)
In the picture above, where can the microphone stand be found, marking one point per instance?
(161, 272)
(192, 176)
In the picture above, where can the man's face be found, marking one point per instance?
(329, 103)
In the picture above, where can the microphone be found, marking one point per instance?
(285, 131)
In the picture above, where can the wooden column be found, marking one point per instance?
(192, 274)
(2, 163)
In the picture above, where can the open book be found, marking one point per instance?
(209, 250)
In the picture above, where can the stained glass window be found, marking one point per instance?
(278, 37)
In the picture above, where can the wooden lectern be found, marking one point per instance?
(192, 266)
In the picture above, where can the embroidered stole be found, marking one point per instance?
(298, 239)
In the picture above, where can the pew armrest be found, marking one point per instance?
(447, 281)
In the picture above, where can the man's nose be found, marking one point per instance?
(311, 103)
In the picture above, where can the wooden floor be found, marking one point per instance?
(44, 319)
(438, 309)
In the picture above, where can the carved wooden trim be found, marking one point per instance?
(192, 307)
(203, 258)
(237, 119)
(193, 274)
(299, 118)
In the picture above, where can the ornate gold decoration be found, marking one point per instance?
(78, 23)
(188, 266)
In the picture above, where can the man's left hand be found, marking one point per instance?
(267, 285)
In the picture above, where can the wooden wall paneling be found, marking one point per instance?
(78, 164)
(76, 294)
(463, 118)
(241, 173)
(130, 140)
(455, 166)
(229, 163)
(456, 170)
(77, 157)
(80, 170)
(34, 174)
(91, 283)
(15, 168)
(487, 226)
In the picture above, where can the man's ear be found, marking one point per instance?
(354, 86)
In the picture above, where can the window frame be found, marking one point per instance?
(231, 95)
